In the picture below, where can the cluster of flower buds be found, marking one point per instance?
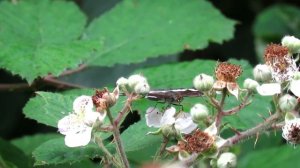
(137, 84)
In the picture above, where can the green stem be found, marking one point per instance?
(117, 138)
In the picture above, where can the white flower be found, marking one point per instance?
(77, 126)
(290, 131)
(212, 130)
(227, 160)
(183, 121)
(295, 87)
(269, 89)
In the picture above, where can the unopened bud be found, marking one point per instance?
(262, 73)
(250, 84)
(203, 82)
(122, 81)
(169, 131)
(227, 160)
(199, 112)
(142, 88)
(287, 103)
(292, 43)
(133, 80)
(296, 76)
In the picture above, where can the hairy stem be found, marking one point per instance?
(117, 138)
(162, 148)
(253, 131)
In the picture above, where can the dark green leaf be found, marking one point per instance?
(136, 30)
(28, 143)
(12, 156)
(39, 37)
(284, 156)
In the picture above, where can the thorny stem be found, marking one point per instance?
(253, 131)
(162, 148)
(267, 124)
(124, 111)
(117, 139)
(243, 104)
(220, 109)
(101, 146)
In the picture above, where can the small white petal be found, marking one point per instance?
(80, 138)
(91, 117)
(168, 117)
(153, 117)
(219, 141)
(269, 89)
(185, 124)
(233, 89)
(82, 104)
(70, 124)
(295, 87)
(212, 130)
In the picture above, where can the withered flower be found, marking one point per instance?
(282, 64)
(102, 99)
(226, 75)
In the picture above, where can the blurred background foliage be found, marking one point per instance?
(259, 23)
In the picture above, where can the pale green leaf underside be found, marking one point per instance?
(39, 37)
(136, 30)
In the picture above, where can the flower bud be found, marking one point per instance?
(287, 103)
(227, 160)
(262, 73)
(292, 43)
(250, 84)
(133, 80)
(122, 81)
(169, 131)
(142, 88)
(199, 112)
(296, 76)
(203, 82)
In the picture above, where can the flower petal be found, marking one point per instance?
(219, 85)
(185, 124)
(91, 117)
(82, 104)
(70, 124)
(233, 89)
(219, 141)
(269, 89)
(80, 138)
(212, 130)
(153, 117)
(295, 87)
(168, 117)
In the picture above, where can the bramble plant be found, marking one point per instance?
(192, 114)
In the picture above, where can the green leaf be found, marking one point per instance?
(12, 156)
(181, 75)
(39, 37)
(274, 23)
(28, 143)
(283, 156)
(56, 152)
(136, 30)
(138, 146)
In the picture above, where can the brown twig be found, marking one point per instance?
(14, 86)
